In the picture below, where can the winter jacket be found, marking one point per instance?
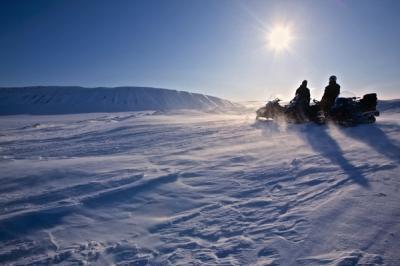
(332, 91)
(303, 94)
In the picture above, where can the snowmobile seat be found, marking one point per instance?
(369, 102)
(342, 102)
(343, 107)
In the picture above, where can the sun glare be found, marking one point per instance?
(279, 38)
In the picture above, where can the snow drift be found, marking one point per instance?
(196, 188)
(389, 105)
(69, 100)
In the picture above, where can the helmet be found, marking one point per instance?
(332, 78)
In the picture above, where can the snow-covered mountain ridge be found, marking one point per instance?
(69, 100)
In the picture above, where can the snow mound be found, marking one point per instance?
(389, 105)
(69, 100)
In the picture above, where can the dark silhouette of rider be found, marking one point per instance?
(299, 106)
(332, 91)
(303, 94)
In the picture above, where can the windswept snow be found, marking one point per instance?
(69, 100)
(193, 188)
(389, 106)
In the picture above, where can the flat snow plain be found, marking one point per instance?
(195, 188)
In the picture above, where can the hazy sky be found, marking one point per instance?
(215, 47)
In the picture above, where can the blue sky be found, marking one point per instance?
(215, 47)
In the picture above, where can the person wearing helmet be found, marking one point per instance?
(331, 92)
(303, 93)
(298, 107)
(303, 97)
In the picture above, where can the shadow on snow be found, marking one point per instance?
(375, 138)
(319, 139)
(322, 142)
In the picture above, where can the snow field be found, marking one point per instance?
(194, 188)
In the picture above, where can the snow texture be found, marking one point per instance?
(389, 106)
(194, 188)
(70, 100)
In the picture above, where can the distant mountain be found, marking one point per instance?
(67, 100)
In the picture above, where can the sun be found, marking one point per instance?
(279, 38)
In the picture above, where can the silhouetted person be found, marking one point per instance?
(300, 104)
(332, 91)
(303, 94)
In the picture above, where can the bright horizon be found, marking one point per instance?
(237, 50)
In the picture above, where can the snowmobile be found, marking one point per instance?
(353, 111)
(271, 110)
(346, 111)
(294, 112)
